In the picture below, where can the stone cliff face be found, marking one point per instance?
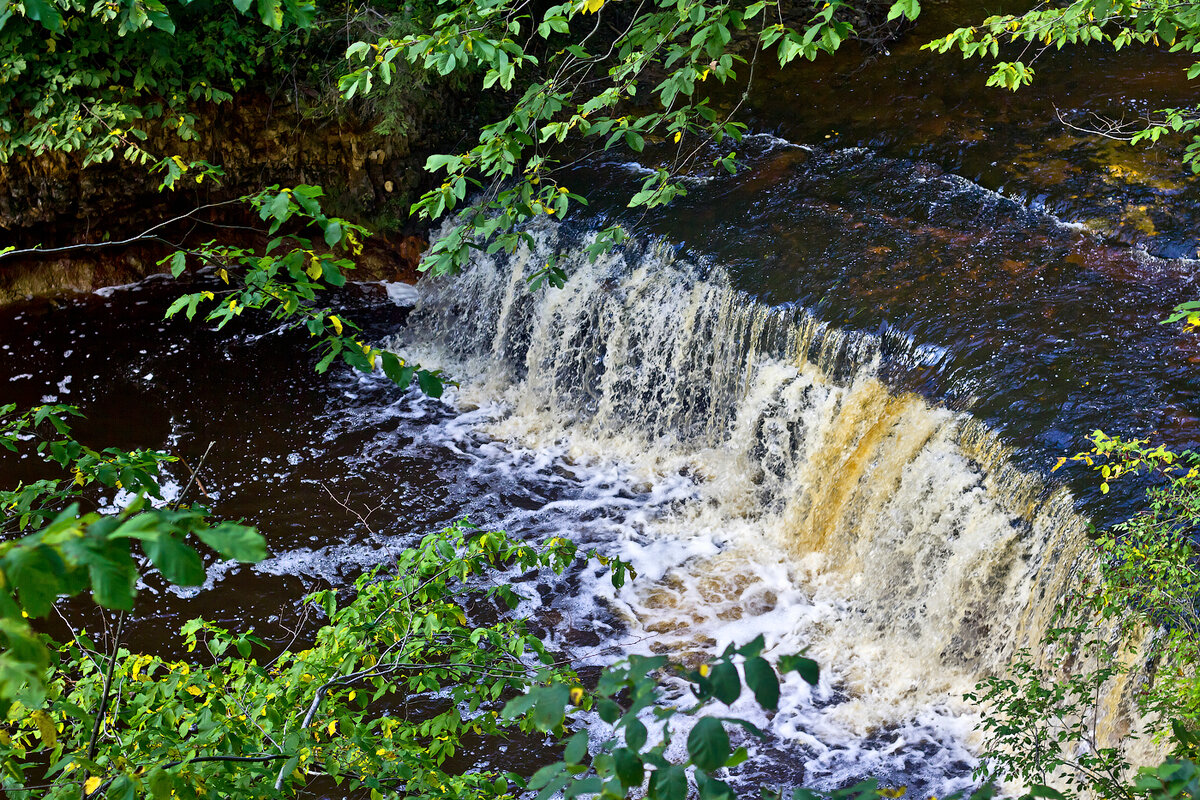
(51, 201)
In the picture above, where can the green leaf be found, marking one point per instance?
(635, 733)
(271, 13)
(739, 757)
(669, 783)
(333, 232)
(629, 767)
(518, 706)
(713, 789)
(34, 572)
(809, 670)
(753, 647)
(179, 564)
(332, 275)
(549, 706)
(576, 748)
(608, 710)
(235, 542)
(430, 384)
(763, 682)
(44, 12)
(278, 207)
(726, 684)
(161, 783)
(708, 744)
(397, 373)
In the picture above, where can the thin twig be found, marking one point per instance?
(146, 234)
(108, 676)
(195, 477)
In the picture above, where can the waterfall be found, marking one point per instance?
(891, 537)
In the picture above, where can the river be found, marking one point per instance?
(816, 400)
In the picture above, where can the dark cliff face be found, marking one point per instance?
(52, 201)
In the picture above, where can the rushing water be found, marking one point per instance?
(888, 536)
(815, 400)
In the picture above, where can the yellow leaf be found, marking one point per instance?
(336, 323)
(223, 275)
(194, 691)
(314, 269)
(576, 695)
(1104, 488)
(207, 295)
(45, 727)
(332, 727)
(678, 136)
(91, 784)
(592, 6)
(704, 670)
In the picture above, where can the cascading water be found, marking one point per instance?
(797, 496)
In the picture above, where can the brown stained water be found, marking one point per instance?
(813, 400)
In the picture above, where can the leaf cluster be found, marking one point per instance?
(631, 761)
(286, 278)
(93, 78)
(1140, 609)
(399, 675)
(69, 551)
(1117, 23)
(589, 72)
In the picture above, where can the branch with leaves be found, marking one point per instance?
(647, 83)
(70, 551)
(286, 278)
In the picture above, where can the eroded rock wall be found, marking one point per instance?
(51, 201)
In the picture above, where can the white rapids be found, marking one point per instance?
(760, 476)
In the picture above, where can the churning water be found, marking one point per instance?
(762, 478)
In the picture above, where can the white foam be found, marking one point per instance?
(402, 294)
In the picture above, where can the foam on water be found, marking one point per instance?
(762, 479)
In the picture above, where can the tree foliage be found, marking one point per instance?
(1116, 23)
(94, 78)
(385, 693)
(70, 550)
(573, 79)
(1135, 619)
(286, 278)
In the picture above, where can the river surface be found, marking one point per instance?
(815, 400)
